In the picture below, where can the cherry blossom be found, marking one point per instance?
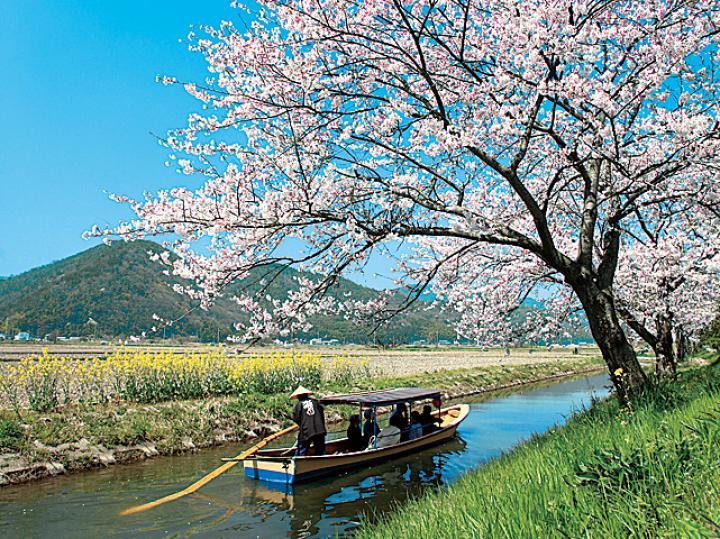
(668, 284)
(548, 132)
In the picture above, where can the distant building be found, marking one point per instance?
(23, 336)
(323, 342)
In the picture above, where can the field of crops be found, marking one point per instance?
(45, 382)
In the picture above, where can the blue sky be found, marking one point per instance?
(78, 104)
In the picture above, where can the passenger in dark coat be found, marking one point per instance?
(370, 428)
(355, 435)
(309, 415)
(399, 418)
(429, 422)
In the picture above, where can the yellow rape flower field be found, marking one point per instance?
(45, 382)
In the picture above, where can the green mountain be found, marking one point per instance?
(114, 290)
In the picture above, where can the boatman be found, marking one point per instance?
(310, 418)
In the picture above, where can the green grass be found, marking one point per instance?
(649, 471)
(11, 434)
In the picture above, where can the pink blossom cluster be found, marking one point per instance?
(672, 274)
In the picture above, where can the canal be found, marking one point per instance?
(87, 505)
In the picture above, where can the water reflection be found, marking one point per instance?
(87, 505)
(338, 502)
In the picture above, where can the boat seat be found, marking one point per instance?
(449, 417)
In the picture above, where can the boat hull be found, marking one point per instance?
(270, 466)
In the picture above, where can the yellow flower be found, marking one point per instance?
(618, 372)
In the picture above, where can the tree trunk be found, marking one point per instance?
(625, 371)
(665, 364)
(681, 341)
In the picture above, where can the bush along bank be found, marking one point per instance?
(649, 470)
(82, 435)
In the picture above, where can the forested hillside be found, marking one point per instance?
(113, 291)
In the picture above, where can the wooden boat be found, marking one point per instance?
(280, 466)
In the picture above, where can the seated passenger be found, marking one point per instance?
(370, 428)
(390, 435)
(416, 429)
(399, 418)
(429, 422)
(354, 434)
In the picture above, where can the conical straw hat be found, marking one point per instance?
(300, 391)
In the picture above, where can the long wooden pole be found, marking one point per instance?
(209, 477)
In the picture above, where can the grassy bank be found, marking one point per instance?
(649, 471)
(81, 434)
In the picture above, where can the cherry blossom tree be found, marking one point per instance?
(548, 128)
(668, 285)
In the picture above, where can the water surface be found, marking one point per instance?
(87, 505)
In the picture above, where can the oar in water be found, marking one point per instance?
(209, 477)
